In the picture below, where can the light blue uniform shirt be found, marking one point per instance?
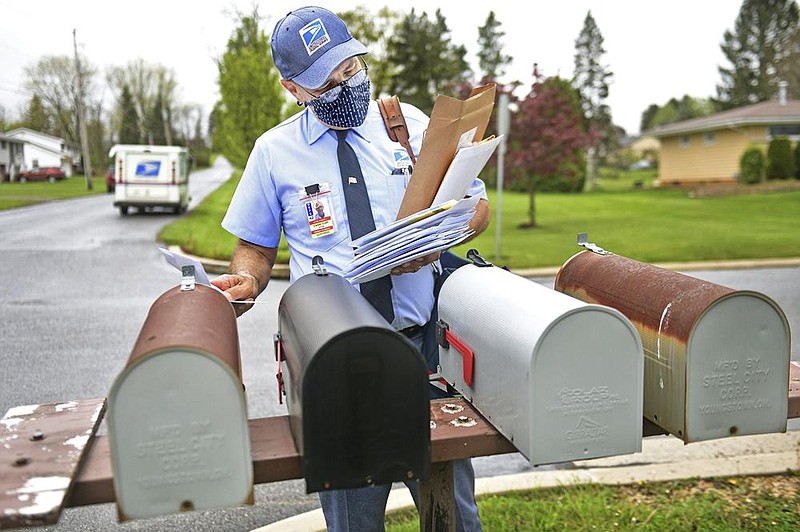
(294, 165)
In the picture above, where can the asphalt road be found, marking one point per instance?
(80, 280)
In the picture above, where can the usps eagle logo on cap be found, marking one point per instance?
(314, 36)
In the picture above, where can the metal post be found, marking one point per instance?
(503, 120)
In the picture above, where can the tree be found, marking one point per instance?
(676, 111)
(374, 31)
(36, 117)
(129, 132)
(549, 139)
(148, 84)
(156, 127)
(491, 59)
(427, 62)
(53, 79)
(591, 79)
(789, 66)
(252, 97)
(756, 50)
(780, 159)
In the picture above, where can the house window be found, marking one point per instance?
(684, 141)
(709, 138)
(791, 131)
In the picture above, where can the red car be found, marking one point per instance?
(48, 173)
(110, 182)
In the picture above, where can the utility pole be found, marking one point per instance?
(87, 160)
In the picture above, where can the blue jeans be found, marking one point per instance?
(363, 509)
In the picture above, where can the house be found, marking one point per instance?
(42, 150)
(707, 150)
(11, 157)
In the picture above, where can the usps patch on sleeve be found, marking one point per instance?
(314, 35)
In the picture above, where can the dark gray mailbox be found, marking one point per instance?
(716, 359)
(356, 390)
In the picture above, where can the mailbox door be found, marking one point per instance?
(586, 388)
(180, 436)
(366, 412)
(738, 369)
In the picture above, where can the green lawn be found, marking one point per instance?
(745, 503)
(646, 224)
(20, 194)
(640, 222)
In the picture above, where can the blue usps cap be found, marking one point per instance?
(309, 43)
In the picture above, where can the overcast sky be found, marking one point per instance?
(657, 50)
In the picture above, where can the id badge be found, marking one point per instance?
(319, 211)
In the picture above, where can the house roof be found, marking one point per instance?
(769, 113)
(23, 130)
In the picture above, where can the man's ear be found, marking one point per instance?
(293, 89)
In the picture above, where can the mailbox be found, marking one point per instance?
(716, 359)
(177, 413)
(356, 390)
(560, 378)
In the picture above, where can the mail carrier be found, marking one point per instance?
(561, 379)
(356, 390)
(177, 413)
(151, 176)
(716, 359)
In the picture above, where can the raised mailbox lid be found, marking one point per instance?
(738, 368)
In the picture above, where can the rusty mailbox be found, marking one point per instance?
(356, 390)
(177, 413)
(716, 359)
(561, 379)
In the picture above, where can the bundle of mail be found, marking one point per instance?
(435, 212)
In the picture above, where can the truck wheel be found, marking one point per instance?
(123, 210)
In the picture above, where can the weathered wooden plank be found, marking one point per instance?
(42, 449)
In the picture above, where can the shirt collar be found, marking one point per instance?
(315, 129)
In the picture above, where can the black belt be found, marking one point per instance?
(411, 332)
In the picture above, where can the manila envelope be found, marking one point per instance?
(450, 119)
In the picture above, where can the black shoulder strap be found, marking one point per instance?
(396, 123)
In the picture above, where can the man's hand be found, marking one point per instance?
(416, 264)
(238, 287)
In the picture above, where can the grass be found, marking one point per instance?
(647, 224)
(739, 503)
(624, 215)
(20, 194)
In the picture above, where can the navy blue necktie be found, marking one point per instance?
(359, 215)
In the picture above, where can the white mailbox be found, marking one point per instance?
(561, 379)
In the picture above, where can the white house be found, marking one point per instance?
(42, 150)
(11, 157)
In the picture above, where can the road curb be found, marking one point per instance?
(281, 271)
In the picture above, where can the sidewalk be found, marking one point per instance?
(662, 458)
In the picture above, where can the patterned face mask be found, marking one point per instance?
(349, 108)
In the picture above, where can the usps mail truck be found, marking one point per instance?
(151, 176)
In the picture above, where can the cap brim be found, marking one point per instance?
(318, 73)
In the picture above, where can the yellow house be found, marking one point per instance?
(708, 149)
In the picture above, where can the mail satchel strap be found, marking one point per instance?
(396, 123)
